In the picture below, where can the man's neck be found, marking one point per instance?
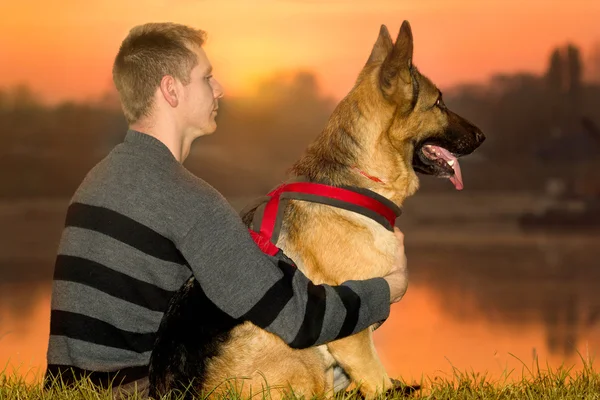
(168, 135)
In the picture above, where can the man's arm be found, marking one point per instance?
(248, 284)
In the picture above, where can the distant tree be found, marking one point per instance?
(564, 78)
(22, 97)
(574, 68)
(555, 73)
(565, 70)
(3, 100)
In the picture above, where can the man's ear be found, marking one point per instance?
(168, 88)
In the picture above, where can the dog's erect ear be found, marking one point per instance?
(382, 47)
(395, 70)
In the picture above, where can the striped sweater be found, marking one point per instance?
(137, 228)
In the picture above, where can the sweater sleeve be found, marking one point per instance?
(269, 291)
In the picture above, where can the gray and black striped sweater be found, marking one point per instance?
(136, 229)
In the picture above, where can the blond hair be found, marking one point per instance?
(148, 53)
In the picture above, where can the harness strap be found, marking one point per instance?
(264, 243)
(324, 194)
(269, 210)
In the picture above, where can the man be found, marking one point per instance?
(140, 225)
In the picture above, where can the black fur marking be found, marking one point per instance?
(351, 137)
(415, 88)
(194, 329)
(191, 332)
(460, 137)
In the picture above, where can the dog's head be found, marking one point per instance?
(426, 134)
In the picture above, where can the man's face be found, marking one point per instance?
(200, 99)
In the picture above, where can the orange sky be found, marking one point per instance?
(64, 50)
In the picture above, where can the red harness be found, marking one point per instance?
(269, 213)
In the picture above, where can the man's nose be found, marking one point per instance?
(218, 90)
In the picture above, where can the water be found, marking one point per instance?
(484, 296)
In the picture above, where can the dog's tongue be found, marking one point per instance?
(448, 157)
(457, 178)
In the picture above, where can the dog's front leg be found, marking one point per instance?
(357, 355)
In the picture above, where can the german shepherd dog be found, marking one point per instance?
(392, 124)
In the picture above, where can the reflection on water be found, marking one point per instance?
(552, 283)
(422, 339)
(24, 336)
(483, 297)
(494, 301)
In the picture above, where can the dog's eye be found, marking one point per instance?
(440, 103)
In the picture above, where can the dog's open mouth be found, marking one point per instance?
(440, 162)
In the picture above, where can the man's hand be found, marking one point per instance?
(398, 276)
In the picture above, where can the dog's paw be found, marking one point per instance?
(402, 389)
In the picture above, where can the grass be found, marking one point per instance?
(534, 383)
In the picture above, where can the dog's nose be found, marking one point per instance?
(479, 136)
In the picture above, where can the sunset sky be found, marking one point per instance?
(64, 50)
